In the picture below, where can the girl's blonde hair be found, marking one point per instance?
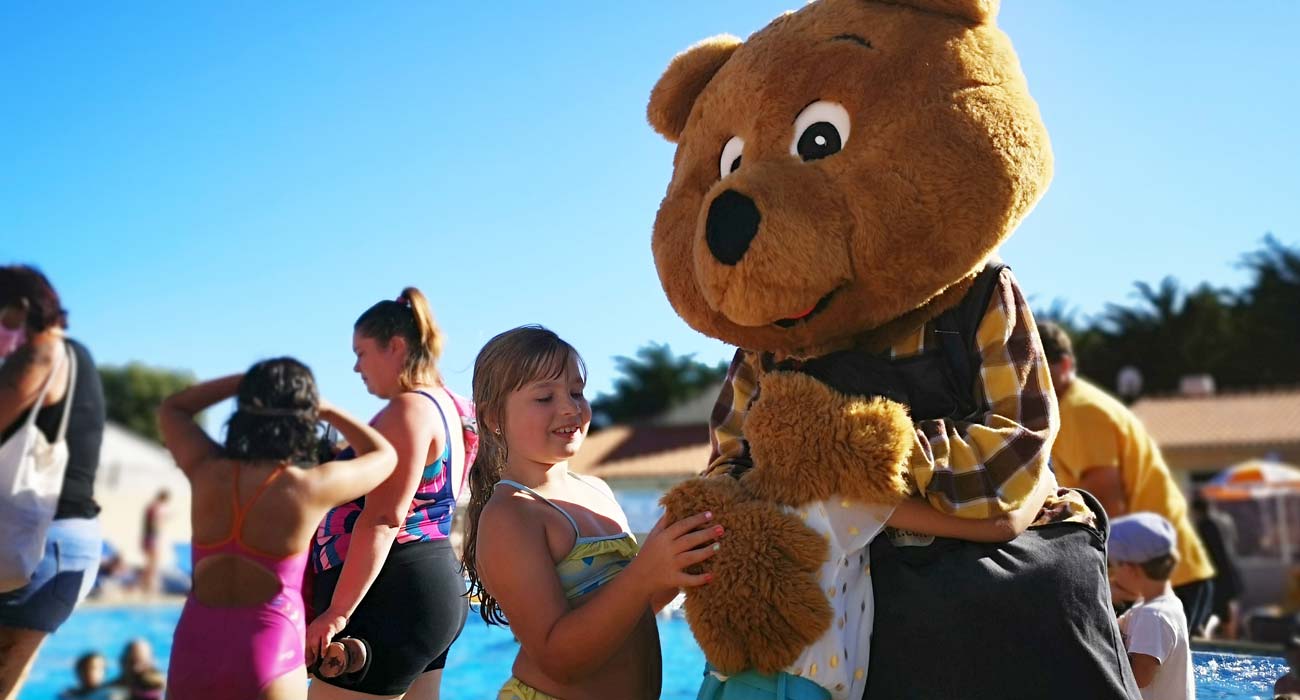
(409, 317)
(509, 361)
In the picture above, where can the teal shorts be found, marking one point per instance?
(752, 685)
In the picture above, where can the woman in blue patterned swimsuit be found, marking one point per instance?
(385, 570)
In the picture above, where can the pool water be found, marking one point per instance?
(480, 660)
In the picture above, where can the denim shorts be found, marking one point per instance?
(62, 578)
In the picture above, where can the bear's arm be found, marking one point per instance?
(989, 467)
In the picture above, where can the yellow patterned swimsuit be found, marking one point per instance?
(593, 562)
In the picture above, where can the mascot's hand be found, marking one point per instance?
(810, 442)
(764, 604)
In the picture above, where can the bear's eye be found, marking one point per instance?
(820, 130)
(730, 160)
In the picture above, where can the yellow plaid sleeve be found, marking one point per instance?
(730, 454)
(987, 467)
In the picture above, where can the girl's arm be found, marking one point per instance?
(569, 644)
(916, 515)
(188, 443)
(663, 598)
(408, 423)
(338, 482)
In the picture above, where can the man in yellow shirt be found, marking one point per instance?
(1102, 448)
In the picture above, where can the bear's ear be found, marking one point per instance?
(977, 11)
(688, 74)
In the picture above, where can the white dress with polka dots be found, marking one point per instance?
(838, 660)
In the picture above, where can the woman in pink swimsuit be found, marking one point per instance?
(256, 502)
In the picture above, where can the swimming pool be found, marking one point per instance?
(480, 660)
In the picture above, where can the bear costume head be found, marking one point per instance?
(842, 175)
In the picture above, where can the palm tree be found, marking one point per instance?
(652, 382)
(1243, 339)
(1269, 316)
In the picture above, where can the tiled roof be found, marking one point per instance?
(596, 446)
(1256, 418)
(685, 461)
(1264, 418)
(644, 451)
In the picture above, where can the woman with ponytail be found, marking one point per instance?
(387, 581)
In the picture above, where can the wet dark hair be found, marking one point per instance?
(276, 417)
(24, 283)
(410, 318)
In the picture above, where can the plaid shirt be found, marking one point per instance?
(976, 469)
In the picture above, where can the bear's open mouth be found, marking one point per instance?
(805, 316)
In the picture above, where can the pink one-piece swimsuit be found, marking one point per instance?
(234, 653)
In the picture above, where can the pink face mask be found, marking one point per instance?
(11, 339)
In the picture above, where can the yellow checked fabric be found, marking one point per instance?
(976, 469)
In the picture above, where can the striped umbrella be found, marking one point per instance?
(1252, 479)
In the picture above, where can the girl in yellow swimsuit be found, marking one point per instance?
(548, 552)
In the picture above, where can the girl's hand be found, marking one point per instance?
(670, 549)
(322, 631)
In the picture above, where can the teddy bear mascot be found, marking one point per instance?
(841, 181)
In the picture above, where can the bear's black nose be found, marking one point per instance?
(731, 226)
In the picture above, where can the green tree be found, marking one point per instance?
(132, 394)
(1167, 335)
(654, 381)
(1244, 339)
(1268, 313)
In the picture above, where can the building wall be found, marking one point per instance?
(1210, 460)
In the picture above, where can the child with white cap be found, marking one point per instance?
(1143, 551)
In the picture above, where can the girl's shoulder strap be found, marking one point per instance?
(596, 485)
(543, 499)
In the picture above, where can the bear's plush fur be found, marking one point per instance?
(840, 178)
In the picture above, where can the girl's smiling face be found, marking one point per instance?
(546, 419)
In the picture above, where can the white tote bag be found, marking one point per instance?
(31, 477)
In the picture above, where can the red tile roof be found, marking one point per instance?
(645, 451)
(1262, 418)
(1255, 418)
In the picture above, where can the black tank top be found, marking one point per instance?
(85, 433)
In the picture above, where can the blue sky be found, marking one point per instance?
(208, 184)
